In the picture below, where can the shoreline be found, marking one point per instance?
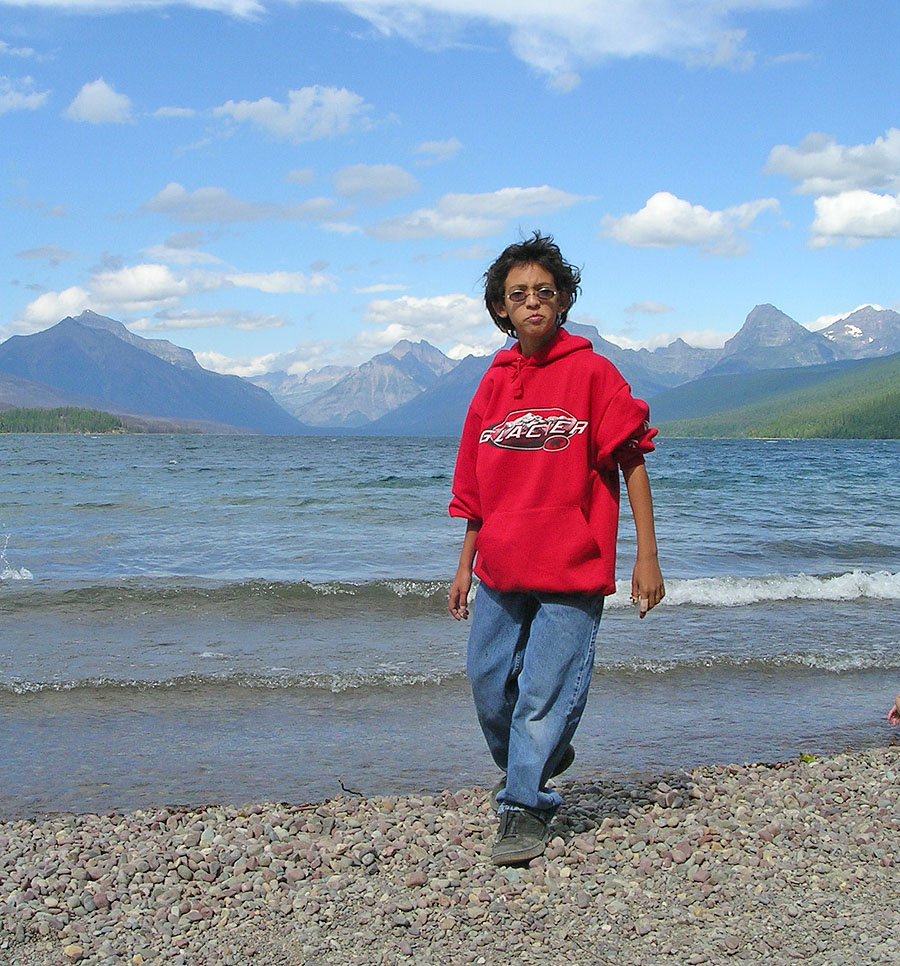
(777, 862)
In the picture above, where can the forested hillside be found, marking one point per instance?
(70, 419)
(861, 401)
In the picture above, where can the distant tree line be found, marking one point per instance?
(68, 419)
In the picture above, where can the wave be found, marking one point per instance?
(410, 597)
(839, 661)
(745, 591)
(7, 571)
(189, 595)
(336, 683)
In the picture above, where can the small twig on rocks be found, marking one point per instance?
(349, 791)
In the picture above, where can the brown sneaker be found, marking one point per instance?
(522, 835)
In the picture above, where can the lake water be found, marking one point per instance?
(197, 619)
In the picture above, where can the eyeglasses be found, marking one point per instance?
(518, 295)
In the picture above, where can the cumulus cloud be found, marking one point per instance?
(136, 288)
(19, 95)
(854, 217)
(438, 151)
(564, 83)
(163, 113)
(167, 321)
(456, 320)
(667, 221)
(309, 114)
(374, 184)
(381, 287)
(474, 215)
(11, 51)
(698, 338)
(823, 321)
(217, 206)
(821, 166)
(157, 289)
(554, 39)
(180, 256)
(296, 283)
(648, 308)
(557, 39)
(297, 361)
(98, 103)
(49, 308)
(300, 176)
(52, 254)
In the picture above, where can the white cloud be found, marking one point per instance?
(474, 215)
(309, 114)
(167, 321)
(11, 51)
(854, 217)
(233, 8)
(564, 83)
(49, 308)
(374, 184)
(18, 95)
(154, 287)
(174, 254)
(648, 308)
(49, 253)
(558, 38)
(137, 287)
(821, 166)
(456, 320)
(164, 113)
(98, 103)
(283, 282)
(217, 206)
(668, 222)
(300, 176)
(554, 39)
(297, 361)
(823, 321)
(698, 338)
(383, 287)
(439, 151)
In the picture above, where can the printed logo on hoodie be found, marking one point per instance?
(534, 429)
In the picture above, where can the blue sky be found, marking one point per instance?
(286, 185)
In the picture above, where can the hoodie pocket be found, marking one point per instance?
(542, 548)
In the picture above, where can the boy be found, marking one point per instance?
(537, 479)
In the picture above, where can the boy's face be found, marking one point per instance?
(533, 318)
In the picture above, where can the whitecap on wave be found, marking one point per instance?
(743, 591)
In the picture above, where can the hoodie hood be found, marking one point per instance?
(562, 344)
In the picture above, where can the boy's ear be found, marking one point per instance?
(563, 301)
(500, 309)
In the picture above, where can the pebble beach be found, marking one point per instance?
(780, 862)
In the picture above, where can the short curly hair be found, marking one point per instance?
(537, 250)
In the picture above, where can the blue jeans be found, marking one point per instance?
(529, 662)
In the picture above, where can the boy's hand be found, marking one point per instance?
(894, 713)
(459, 596)
(647, 588)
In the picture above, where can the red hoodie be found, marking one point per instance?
(538, 466)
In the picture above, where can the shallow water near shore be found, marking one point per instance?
(192, 619)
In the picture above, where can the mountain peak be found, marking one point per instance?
(161, 348)
(770, 339)
(866, 331)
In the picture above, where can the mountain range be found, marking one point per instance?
(96, 362)
(413, 389)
